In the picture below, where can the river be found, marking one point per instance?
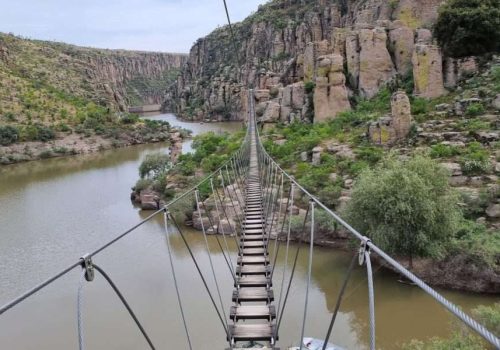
(55, 210)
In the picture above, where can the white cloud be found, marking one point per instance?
(153, 25)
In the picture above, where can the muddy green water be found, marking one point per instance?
(53, 211)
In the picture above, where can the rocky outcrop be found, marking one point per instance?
(428, 71)
(334, 50)
(330, 94)
(394, 128)
(375, 64)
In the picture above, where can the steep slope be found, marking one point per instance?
(58, 99)
(112, 78)
(332, 49)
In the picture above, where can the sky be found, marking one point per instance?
(150, 25)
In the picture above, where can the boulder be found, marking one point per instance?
(375, 62)
(493, 211)
(272, 113)
(316, 157)
(454, 168)
(342, 151)
(304, 156)
(149, 200)
(428, 71)
(496, 102)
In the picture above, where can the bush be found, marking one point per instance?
(153, 165)
(444, 151)
(475, 160)
(474, 109)
(407, 207)
(142, 184)
(459, 341)
(469, 27)
(489, 316)
(309, 87)
(8, 135)
(129, 118)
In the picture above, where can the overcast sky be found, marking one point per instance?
(152, 25)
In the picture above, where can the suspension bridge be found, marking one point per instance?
(251, 201)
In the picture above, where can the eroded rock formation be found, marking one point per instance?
(326, 50)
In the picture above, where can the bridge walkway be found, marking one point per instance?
(253, 311)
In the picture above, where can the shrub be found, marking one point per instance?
(474, 109)
(8, 135)
(406, 207)
(153, 165)
(469, 27)
(309, 87)
(444, 151)
(458, 341)
(489, 316)
(129, 118)
(475, 159)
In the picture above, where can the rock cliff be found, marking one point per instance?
(114, 78)
(307, 59)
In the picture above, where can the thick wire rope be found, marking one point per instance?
(167, 235)
(210, 256)
(371, 298)
(278, 218)
(79, 311)
(120, 296)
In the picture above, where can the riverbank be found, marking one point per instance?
(73, 143)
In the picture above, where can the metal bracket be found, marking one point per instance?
(89, 267)
(362, 250)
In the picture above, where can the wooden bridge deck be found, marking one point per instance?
(253, 295)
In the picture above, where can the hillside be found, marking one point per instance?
(54, 91)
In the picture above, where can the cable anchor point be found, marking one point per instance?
(363, 248)
(88, 266)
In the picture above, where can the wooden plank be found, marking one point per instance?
(254, 251)
(253, 260)
(253, 294)
(253, 312)
(253, 269)
(253, 281)
(248, 332)
(253, 244)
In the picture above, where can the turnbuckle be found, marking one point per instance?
(88, 266)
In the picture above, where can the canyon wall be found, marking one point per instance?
(115, 78)
(307, 59)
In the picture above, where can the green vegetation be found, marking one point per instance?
(474, 109)
(463, 339)
(153, 165)
(469, 27)
(406, 207)
(8, 135)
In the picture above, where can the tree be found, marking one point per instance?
(406, 207)
(469, 27)
(154, 165)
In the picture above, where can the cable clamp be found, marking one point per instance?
(88, 266)
(364, 248)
